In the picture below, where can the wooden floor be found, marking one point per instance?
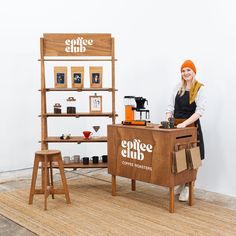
(95, 212)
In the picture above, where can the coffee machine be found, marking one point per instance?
(135, 111)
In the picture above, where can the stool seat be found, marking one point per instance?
(46, 157)
(48, 152)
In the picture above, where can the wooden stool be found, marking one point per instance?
(46, 157)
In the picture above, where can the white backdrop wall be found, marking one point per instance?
(153, 38)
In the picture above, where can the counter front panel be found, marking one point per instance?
(146, 154)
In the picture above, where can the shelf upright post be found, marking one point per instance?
(113, 80)
(44, 130)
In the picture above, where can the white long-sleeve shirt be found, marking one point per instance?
(200, 100)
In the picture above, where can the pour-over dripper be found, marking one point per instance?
(140, 101)
(96, 129)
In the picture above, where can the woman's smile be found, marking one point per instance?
(187, 73)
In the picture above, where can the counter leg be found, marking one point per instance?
(191, 193)
(113, 181)
(172, 200)
(133, 184)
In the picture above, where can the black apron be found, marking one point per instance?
(183, 110)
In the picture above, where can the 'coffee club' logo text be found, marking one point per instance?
(134, 149)
(77, 45)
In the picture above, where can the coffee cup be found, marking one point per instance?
(104, 158)
(85, 160)
(87, 134)
(95, 159)
(66, 159)
(76, 158)
(165, 124)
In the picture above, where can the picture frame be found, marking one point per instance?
(60, 77)
(77, 77)
(95, 76)
(95, 103)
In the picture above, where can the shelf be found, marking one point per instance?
(81, 165)
(78, 89)
(76, 139)
(77, 59)
(77, 115)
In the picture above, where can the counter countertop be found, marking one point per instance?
(151, 127)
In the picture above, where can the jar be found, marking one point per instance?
(57, 108)
(71, 109)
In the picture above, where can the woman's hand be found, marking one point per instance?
(189, 121)
(181, 125)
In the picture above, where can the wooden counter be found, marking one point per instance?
(146, 154)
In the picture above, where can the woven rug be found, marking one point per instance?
(94, 211)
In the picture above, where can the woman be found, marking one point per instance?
(188, 103)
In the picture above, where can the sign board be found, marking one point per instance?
(77, 45)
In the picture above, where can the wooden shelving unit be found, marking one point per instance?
(52, 49)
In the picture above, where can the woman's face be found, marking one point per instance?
(187, 74)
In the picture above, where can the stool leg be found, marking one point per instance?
(34, 177)
(48, 175)
(63, 179)
(51, 174)
(45, 177)
(42, 175)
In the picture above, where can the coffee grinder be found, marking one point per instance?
(135, 111)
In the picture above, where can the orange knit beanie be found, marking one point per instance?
(189, 63)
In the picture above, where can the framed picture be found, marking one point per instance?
(95, 103)
(77, 77)
(95, 76)
(60, 77)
